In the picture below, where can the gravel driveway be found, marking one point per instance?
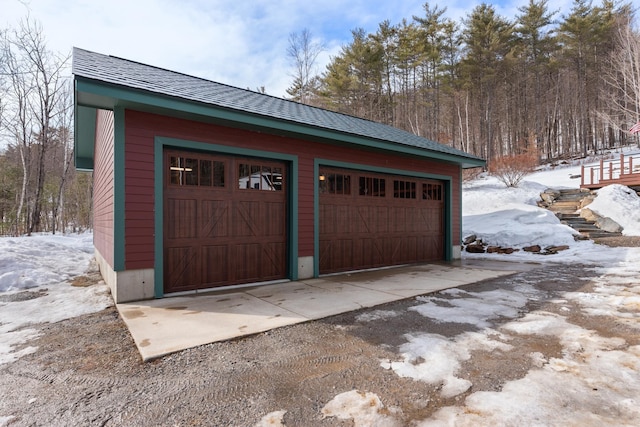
(345, 370)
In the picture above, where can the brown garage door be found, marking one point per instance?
(224, 221)
(373, 220)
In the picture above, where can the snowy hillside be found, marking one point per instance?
(504, 216)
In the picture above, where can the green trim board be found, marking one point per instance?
(459, 213)
(102, 95)
(119, 255)
(448, 208)
(160, 143)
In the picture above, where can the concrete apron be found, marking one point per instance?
(163, 326)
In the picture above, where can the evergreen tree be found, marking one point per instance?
(487, 46)
(537, 46)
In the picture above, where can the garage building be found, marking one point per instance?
(199, 185)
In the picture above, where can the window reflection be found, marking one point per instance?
(196, 172)
(260, 177)
(335, 183)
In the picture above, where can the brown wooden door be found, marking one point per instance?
(374, 220)
(224, 221)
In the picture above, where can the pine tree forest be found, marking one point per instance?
(559, 86)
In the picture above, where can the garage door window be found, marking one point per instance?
(432, 192)
(335, 183)
(404, 189)
(196, 172)
(211, 173)
(259, 177)
(372, 187)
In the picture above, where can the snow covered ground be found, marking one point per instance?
(44, 265)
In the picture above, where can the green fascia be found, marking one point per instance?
(460, 212)
(101, 95)
(448, 211)
(161, 143)
(119, 190)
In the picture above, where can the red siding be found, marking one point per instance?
(141, 128)
(103, 191)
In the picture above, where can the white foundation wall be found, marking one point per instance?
(456, 252)
(305, 267)
(128, 285)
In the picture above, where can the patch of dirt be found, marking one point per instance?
(88, 280)
(23, 296)
(87, 370)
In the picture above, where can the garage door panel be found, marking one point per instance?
(365, 219)
(338, 254)
(398, 220)
(246, 219)
(273, 260)
(248, 261)
(214, 218)
(183, 266)
(344, 219)
(345, 247)
(382, 223)
(274, 214)
(215, 264)
(184, 215)
(366, 226)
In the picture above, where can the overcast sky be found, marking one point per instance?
(238, 42)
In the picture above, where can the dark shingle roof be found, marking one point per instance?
(130, 74)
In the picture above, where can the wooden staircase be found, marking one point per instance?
(566, 204)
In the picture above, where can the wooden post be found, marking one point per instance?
(582, 176)
(592, 176)
(601, 171)
(610, 171)
(621, 165)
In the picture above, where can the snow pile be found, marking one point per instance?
(622, 205)
(39, 260)
(43, 264)
(509, 217)
(272, 419)
(365, 409)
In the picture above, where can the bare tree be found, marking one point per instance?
(34, 105)
(623, 80)
(41, 73)
(18, 125)
(303, 51)
(65, 143)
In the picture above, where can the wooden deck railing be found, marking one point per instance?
(625, 170)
